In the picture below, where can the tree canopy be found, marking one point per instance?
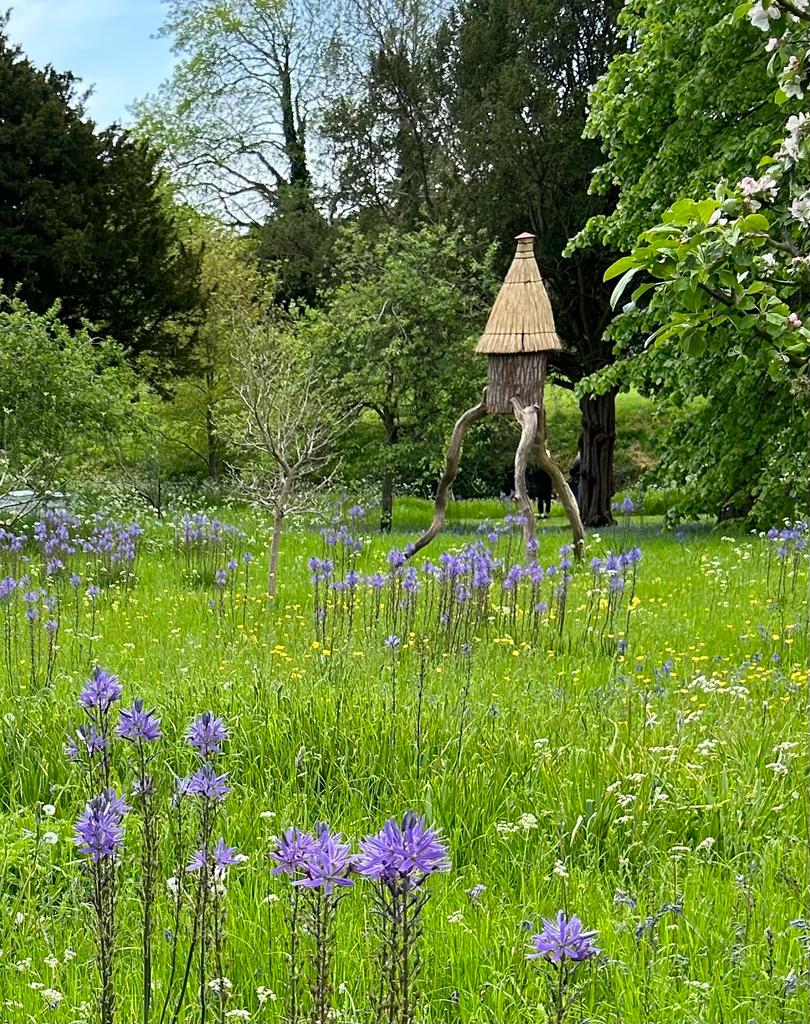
(84, 216)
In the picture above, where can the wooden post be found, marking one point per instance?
(464, 422)
(564, 492)
(527, 418)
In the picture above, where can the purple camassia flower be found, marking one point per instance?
(376, 581)
(409, 850)
(7, 588)
(138, 725)
(99, 831)
(93, 592)
(51, 626)
(563, 940)
(86, 739)
(628, 506)
(220, 577)
(247, 558)
(357, 512)
(329, 864)
(410, 581)
(101, 691)
(293, 851)
(206, 733)
(392, 642)
(396, 558)
(222, 858)
(207, 784)
(231, 564)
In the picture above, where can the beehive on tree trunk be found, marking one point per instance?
(519, 333)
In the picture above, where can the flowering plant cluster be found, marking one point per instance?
(463, 593)
(208, 549)
(99, 834)
(398, 860)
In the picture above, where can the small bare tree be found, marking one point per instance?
(290, 427)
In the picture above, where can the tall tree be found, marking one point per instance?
(718, 324)
(84, 216)
(517, 77)
(401, 329)
(234, 117)
(473, 117)
(383, 116)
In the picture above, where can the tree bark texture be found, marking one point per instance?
(443, 492)
(527, 418)
(564, 492)
(518, 375)
(597, 441)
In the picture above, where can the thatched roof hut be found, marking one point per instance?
(521, 320)
(519, 334)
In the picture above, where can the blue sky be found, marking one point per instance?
(106, 43)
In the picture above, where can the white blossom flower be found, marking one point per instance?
(264, 994)
(800, 209)
(237, 1015)
(51, 961)
(792, 141)
(220, 984)
(50, 838)
(48, 810)
(761, 15)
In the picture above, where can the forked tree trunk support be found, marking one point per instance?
(533, 433)
(564, 492)
(465, 421)
(527, 418)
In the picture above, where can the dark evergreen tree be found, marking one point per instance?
(84, 216)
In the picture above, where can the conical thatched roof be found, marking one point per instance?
(521, 319)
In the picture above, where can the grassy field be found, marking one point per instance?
(644, 768)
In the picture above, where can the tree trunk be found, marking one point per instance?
(387, 502)
(387, 496)
(272, 574)
(597, 440)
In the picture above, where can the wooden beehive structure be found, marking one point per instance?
(519, 334)
(518, 339)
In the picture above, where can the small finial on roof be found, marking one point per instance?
(524, 235)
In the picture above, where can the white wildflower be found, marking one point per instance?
(48, 810)
(51, 961)
(237, 1015)
(50, 838)
(220, 985)
(265, 994)
(52, 997)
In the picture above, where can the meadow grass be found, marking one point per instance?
(660, 793)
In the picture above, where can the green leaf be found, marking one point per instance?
(755, 222)
(619, 267)
(623, 283)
